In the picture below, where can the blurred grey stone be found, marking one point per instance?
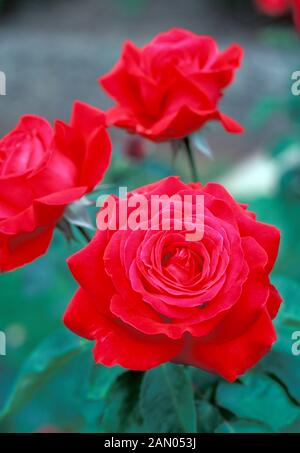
(53, 52)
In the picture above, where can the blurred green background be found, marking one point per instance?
(52, 53)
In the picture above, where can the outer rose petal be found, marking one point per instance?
(97, 159)
(91, 122)
(86, 142)
(274, 301)
(40, 214)
(120, 82)
(81, 316)
(186, 121)
(26, 236)
(15, 251)
(86, 119)
(266, 235)
(63, 197)
(231, 359)
(15, 196)
(93, 278)
(116, 343)
(166, 186)
(175, 126)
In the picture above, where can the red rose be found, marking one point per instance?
(171, 87)
(274, 7)
(41, 171)
(280, 7)
(148, 295)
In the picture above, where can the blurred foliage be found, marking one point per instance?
(6, 5)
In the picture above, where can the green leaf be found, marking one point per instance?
(285, 215)
(203, 383)
(121, 412)
(208, 417)
(289, 313)
(284, 366)
(167, 400)
(280, 361)
(259, 398)
(101, 380)
(242, 426)
(54, 352)
(293, 427)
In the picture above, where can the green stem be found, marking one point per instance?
(191, 159)
(85, 234)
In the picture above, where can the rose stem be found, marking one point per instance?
(191, 159)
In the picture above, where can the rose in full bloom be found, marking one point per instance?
(280, 7)
(171, 87)
(42, 170)
(149, 295)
